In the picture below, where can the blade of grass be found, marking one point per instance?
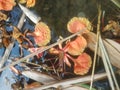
(106, 66)
(109, 64)
(96, 46)
(116, 2)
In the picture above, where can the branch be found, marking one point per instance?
(63, 83)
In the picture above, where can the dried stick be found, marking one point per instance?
(85, 79)
(42, 50)
(96, 46)
(6, 54)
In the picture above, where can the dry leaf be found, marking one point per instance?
(3, 16)
(16, 33)
(113, 26)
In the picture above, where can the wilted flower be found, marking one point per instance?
(78, 23)
(82, 64)
(7, 5)
(77, 46)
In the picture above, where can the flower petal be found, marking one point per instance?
(82, 64)
(77, 46)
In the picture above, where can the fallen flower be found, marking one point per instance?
(7, 5)
(77, 46)
(77, 23)
(82, 64)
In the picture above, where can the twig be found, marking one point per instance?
(96, 47)
(6, 54)
(42, 50)
(21, 21)
(85, 79)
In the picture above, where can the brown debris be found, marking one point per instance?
(3, 16)
(113, 26)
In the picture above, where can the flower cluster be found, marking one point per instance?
(75, 47)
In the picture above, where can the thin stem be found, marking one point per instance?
(71, 58)
(96, 47)
(116, 2)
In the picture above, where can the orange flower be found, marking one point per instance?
(82, 64)
(7, 5)
(77, 46)
(42, 34)
(76, 24)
